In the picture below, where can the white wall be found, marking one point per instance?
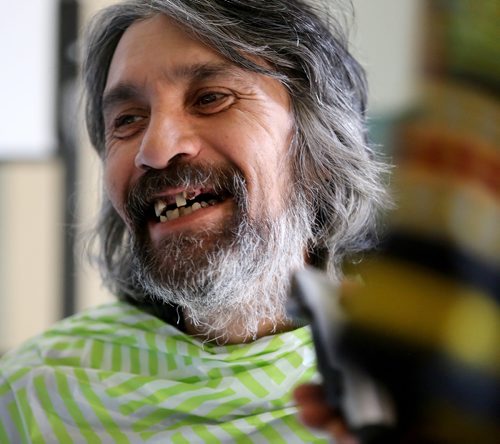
(27, 83)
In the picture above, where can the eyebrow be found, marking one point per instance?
(192, 73)
(202, 71)
(121, 93)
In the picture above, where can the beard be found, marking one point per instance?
(235, 275)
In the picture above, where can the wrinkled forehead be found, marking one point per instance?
(159, 49)
(157, 39)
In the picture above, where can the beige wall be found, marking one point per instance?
(30, 249)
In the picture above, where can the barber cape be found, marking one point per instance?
(115, 374)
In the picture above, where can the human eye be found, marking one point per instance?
(211, 102)
(127, 125)
(127, 119)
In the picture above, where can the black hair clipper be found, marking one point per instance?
(366, 406)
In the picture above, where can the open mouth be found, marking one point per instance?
(173, 206)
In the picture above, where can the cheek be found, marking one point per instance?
(272, 158)
(115, 184)
(265, 164)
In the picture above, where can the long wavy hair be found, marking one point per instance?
(307, 49)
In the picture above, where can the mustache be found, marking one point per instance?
(222, 179)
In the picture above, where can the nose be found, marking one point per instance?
(167, 137)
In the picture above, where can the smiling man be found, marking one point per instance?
(196, 166)
(233, 141)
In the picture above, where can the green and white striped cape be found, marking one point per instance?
(115, 374)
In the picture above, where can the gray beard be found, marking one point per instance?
(236, 276)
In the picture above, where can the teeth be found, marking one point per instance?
(173, 214)
(184, 211)
(159, 207)
(180, 199)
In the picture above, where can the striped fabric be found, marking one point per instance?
(114, 374)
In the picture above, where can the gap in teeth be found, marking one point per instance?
(183, 207)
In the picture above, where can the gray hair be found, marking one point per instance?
(332, 162)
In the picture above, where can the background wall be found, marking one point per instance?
(386, 39)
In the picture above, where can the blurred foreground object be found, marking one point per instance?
(424, 325)
(431, 346)
(423, 328)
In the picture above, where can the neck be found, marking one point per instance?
(235, 332)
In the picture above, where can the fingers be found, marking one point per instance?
(315, 412)
(306, 392)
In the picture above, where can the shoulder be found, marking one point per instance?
(76, 342)
(106, 323)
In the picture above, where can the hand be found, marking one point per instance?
(316, 413)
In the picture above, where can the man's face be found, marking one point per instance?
(197, 167)
(176, 113)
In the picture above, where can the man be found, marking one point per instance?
(232, 136)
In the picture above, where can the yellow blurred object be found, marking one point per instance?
(408, 303)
